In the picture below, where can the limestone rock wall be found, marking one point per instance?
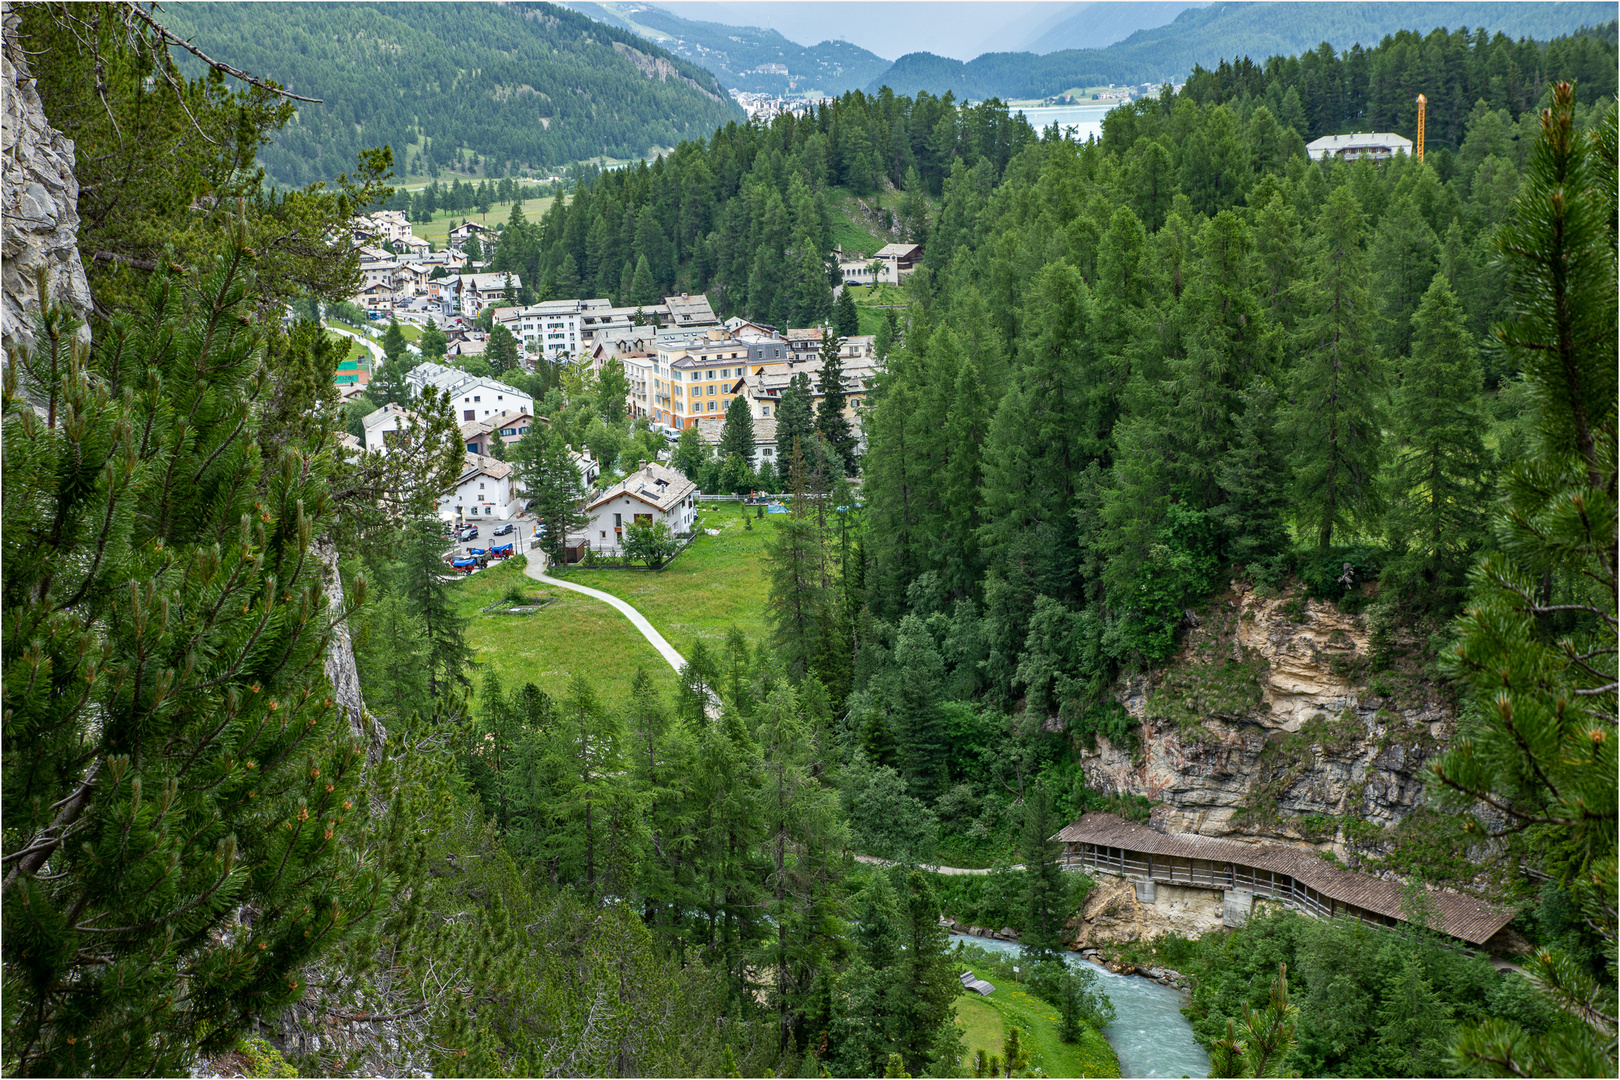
(38, 203)
(1266, 720)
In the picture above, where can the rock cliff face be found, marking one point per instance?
(40, 202)
(1270, 725)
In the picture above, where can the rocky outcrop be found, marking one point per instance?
(658, 67)
(1116, 912)
(40, 215)
(1265, 726)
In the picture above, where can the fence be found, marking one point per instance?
(1209, 874)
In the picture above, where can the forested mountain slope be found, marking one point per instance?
(1209, 35)
(486, 89)
(736, 53)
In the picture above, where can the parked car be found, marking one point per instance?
(469, 533)
(503, 530)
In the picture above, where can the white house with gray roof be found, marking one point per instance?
(652, 493)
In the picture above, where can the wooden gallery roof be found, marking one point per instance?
(1466, 917)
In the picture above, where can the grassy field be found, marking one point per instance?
(848, 228)
(438, 230)
(571, 635)
(716, 583)
(986, 1020)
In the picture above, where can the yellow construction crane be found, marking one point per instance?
(1422, 101)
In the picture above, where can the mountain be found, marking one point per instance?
(1097, 25)
(1205, 36)
(481, 88)
(745, 57)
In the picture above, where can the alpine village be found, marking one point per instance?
(1023, 539)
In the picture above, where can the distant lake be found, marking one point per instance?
(1086, 119)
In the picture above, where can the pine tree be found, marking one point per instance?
(1253, 475)
(1538, 641)
(1405, 251)
(1441, 470)
(1333, 418)
(643, 289)
(171, 753)
(831, 422)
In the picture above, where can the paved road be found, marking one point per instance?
(373, 347)
(639, 621)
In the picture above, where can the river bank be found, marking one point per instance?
(1149, 1034)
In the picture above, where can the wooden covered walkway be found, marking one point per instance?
(1104, 843)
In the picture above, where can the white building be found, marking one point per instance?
(472, 397)
(1377, 145)
(652, 493)
(383, 426)
(486, 490)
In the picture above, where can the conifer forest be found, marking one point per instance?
(269, 810)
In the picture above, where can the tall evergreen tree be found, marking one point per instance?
(795, 424)
(1538, 641)
(846, 320)
(1441, 469)
(171, 753)
(424, 581)
(737, 434)
(831, 422)
(551, 481)
(394, 343)
(1333, 418)
(1048, 899)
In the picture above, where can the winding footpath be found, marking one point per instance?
(873, 860)
(637, 619)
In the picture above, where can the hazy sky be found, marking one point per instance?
(961, 29)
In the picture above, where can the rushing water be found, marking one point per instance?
(1149, 1033)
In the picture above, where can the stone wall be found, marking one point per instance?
(39, 210)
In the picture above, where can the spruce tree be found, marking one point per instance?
(831, 422)
(1048, 899)
(1405, 252)
(1333, 418)
(171, 754)
(914, 708)
(433, 342)
(1441, 469)
(502, 350)
(737, 435)
(394, 343)
(846, 320)
(795, 425)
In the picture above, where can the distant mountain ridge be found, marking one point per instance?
(744, 57)
(1206, 36)
(521, 86)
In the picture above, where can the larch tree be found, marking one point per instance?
(831, 422)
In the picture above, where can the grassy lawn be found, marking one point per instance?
(357, 351)
(572, 635)
(986, 1020)
(718, 582)
(870, 302)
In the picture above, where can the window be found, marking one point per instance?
(711, 394)
(618, 521)
(604, 534)
(767, 451)
(473, 447)
(469, 414)
(765, 410)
